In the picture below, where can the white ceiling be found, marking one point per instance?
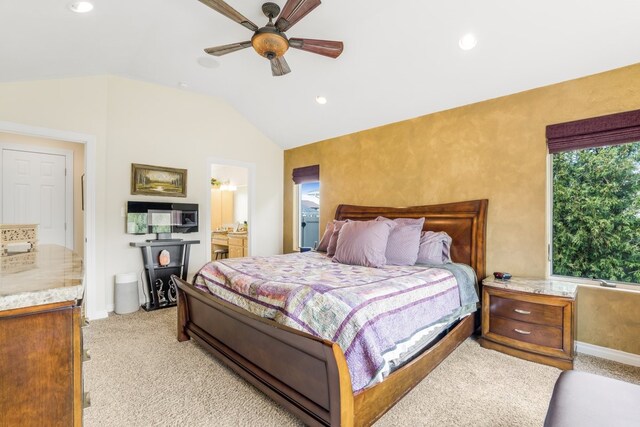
(401, 58)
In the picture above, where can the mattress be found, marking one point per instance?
(380, 317)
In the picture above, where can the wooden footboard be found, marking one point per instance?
(305, 374)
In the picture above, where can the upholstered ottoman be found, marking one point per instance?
(582, 400)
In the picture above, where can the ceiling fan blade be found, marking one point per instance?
(227, 48)
(294, 11)
(226, 10)
(321, 47)
(279, 66)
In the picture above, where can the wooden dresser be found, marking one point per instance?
(41, 351)
(531, 319)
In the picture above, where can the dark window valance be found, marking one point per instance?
(612, 129)
(306, 174)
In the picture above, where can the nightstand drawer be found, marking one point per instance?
(546, 336)
(530, 312)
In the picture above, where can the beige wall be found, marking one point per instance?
(136, 122)
(494, 150)
(78, 171)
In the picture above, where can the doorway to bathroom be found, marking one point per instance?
(230, 211)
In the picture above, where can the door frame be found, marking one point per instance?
(68, 182)
(251, 169)
(94, 310)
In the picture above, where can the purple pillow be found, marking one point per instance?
(363, 243)
(326, 237)
(435, 248)
(404, 240)
(333, 241)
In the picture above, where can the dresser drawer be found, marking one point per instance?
(530, 312)
(541, 335)
(219, 241)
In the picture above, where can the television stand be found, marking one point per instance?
(162, 290)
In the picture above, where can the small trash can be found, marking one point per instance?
(126, 293)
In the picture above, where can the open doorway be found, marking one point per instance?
(95, 307)
(229, 211)
(41, 183)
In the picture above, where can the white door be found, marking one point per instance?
(34, 192)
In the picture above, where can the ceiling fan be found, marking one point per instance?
(270, 40)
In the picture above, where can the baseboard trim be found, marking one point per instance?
(608, 353)
(102, 314)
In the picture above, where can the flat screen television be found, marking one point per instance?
(161, 218)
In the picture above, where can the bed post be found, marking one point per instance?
(183, 313)
(347, 410)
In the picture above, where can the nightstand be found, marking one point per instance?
(531, 319)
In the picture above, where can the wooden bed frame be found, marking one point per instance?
(309, 375)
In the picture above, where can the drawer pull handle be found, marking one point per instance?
(520, 331)
(86, 400)
(519, 311)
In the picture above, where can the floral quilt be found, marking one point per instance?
(367, 311)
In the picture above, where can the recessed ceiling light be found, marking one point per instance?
(468, 41)
(208, 62)
(81, 6)
(183, 85)
(321, 100)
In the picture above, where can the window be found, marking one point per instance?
(309, 208)
(596, 213)
(596, 199)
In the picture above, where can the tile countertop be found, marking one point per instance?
(534, 286)
(50, 274)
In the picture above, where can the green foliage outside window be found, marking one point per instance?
(596, 213)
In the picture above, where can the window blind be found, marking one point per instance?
(306, 174)
(612, 129)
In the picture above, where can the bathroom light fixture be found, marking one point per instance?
(81, 6)
(227, 186)
(321, 100)
(468, 41)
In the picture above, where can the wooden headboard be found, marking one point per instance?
(465, 222)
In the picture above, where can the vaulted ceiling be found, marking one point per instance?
(401, 59)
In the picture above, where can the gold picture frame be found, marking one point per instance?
(158, 181)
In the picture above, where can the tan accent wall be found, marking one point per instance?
(494, 150)
(78, 171)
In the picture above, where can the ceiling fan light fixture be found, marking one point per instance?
(270, 45)
(81, 6)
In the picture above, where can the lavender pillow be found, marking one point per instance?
(435, 248)
(326, 237)
(333, 241)
(404, 240)
(363, 243)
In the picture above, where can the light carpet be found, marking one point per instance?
(140, 375)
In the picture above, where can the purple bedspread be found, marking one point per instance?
(367, 311)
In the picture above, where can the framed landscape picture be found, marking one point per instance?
(158, 181)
